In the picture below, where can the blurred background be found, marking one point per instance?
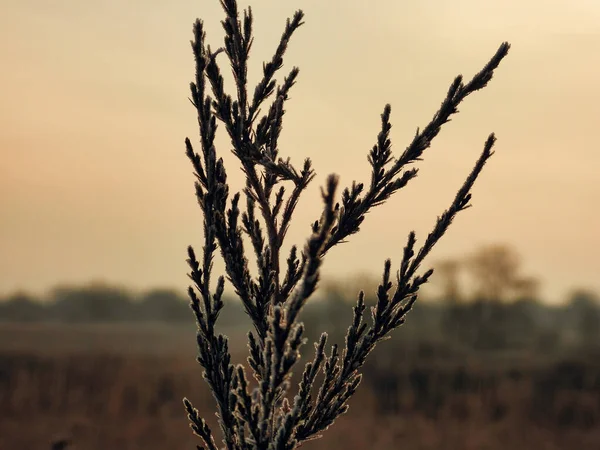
(97, 206)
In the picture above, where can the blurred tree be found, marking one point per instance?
(526, 288)
(96, 302)
(164, 305)
(22, 307)
(584, 315)
(495, 271)
(488, 321)
(448, 270)
(454, 320)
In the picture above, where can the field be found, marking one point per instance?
(120, 387)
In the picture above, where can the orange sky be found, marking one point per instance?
(94, 183)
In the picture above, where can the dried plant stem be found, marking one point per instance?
(265, 418)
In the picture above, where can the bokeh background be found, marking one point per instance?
(97, 207)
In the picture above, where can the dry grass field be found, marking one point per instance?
(120, 387)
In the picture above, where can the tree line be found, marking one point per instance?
(500, 310)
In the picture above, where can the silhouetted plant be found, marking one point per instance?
(264, 417)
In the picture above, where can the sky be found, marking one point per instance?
(95, 185)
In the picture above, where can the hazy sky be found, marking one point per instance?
(94, 182)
